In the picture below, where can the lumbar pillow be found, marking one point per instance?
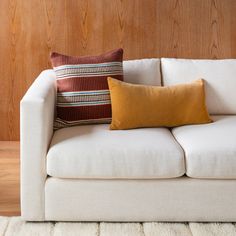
(136, 106)
(82, 91)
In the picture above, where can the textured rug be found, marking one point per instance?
(14, 226)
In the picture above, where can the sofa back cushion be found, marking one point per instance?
(219, 75)
(142, 71)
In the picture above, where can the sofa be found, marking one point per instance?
(90, 173)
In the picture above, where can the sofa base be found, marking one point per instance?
(180, 199)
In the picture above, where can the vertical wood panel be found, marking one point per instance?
(30, 30)
(4, 71)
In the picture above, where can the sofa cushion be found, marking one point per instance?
(220, 77)
(94, 151)
(210, 149)
(142, 71)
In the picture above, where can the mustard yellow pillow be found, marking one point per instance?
(136, 106)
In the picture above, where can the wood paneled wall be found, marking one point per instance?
(30, 29)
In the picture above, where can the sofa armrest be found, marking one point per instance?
(36, 129)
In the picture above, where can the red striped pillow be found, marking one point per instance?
(82, 90)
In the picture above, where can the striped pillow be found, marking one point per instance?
(82, 90)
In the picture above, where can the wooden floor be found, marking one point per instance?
(9, 178)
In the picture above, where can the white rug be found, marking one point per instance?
(14, 226)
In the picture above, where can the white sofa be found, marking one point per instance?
(89, 173)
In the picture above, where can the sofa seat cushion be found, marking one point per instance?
(94, 151)
(210, 149)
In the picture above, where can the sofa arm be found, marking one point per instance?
(36, 129)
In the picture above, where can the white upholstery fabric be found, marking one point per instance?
(94, 151)
(37, 114)
(179, 199)
(219, 74)
(210, 149)
(142, 71)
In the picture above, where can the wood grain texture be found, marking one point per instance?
(30, 30)
(9, 178)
